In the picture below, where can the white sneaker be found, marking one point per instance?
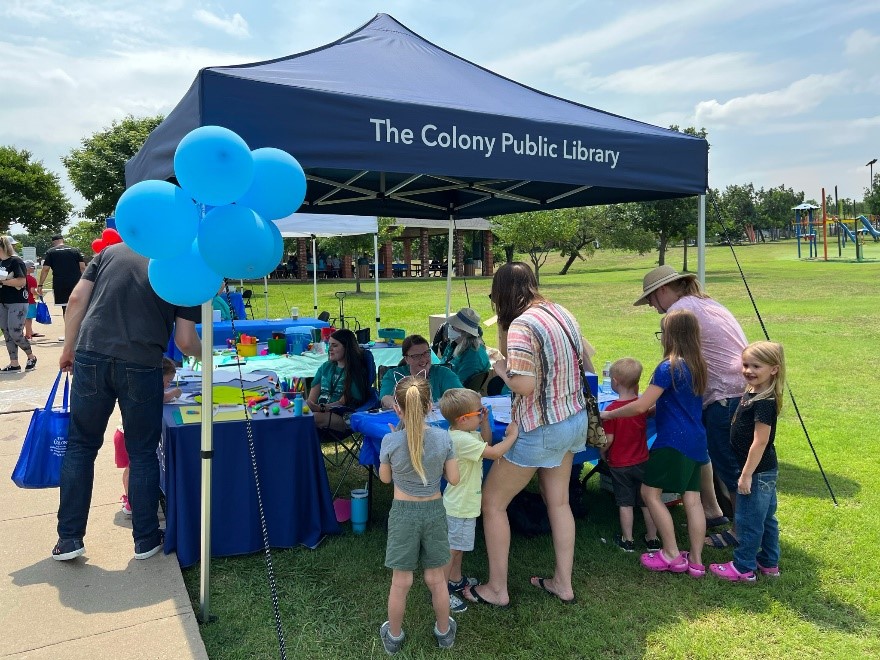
(126, 507)
(456, 604)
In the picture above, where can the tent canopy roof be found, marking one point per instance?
(306, 225)
(387, 123)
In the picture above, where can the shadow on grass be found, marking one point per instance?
(797, 480)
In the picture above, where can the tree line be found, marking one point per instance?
(32, 196)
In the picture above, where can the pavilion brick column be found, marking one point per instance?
(346, 267)
(407, 255)
(423, 252)
(387, 259)
(458, 252)
(488, 262)
(302, 256)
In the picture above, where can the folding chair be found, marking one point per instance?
(246, 296)
(347, 444)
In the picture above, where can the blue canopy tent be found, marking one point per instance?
(385, 123)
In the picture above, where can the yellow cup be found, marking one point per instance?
(246, 350)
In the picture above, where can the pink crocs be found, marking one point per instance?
(656, 561)
(729, 572)
(694, 570)
(769, 571)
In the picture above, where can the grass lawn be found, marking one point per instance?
(827, 602)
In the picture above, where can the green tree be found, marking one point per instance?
(610, 226)
(739, 210)
(30, 194)
(82, 234)
(536, 233)
(774, 208)
(872, 196)
(97, 169)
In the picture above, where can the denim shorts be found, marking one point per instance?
(417, 534)
(461, 533)
(546, 446)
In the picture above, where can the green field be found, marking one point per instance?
(827, 602)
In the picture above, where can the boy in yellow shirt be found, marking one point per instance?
(465, 413)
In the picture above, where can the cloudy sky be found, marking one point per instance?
(789, 90)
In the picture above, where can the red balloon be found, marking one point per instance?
(98, 245)
(110, 237)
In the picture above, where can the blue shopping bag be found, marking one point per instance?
(39, 465)
(43, 315)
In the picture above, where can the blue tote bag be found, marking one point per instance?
(39, 465)
(43, 315)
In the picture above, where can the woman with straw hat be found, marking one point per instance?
(723, 341)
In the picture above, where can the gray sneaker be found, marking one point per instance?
(456, 604)
(392, 644)
(447, 639)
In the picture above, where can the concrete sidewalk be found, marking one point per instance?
(103, 604)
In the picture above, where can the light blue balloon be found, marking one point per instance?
(157, 219)
(274, 257)
(279, 185)
(185, 280)
(235, 242)
(214, 165)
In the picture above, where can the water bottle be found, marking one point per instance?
(298, 405)
(490, 417)
(605, 386)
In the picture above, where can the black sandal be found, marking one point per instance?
(10, 369)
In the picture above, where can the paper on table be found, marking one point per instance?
(229, 375)
(500, 407)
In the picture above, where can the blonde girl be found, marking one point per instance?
(751, 437)
(414, 459)
(13, 306)
(679, 451)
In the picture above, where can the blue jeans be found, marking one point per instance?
(716, 419)
(756, 524)
(99, 381)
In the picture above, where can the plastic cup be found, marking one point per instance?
(359, 507)
(294, 313)
(215, 314)
(342, 508)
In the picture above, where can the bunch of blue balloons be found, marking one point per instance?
(241, 192)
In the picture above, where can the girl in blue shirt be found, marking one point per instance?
(679, 451)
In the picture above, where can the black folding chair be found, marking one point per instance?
(246, 296)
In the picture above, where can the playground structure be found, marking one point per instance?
(807, 226)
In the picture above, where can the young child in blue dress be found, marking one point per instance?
(679, 451)
(414, 458)
(752, 433)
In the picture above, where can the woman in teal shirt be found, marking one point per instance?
(417, 361)
(219, 303)
(466, 353)
(341, 382)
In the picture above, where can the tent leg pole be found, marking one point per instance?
(207, 456)
(266, 294)
(449, 264)
(315, 275)
(701, 241)
(376, 279)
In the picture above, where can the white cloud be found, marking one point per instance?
(799, 97)
(235, 26)
(720, 71)
(861, 42)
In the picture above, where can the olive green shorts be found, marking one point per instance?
(672, 471)
(417, 534)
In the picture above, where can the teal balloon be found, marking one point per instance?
(214, 165)
(157, 219)
(236, 242)
(279, 185)
(185, 280)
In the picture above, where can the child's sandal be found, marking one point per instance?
(769, 571)
(730, 572)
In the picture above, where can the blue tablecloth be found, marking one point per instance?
(374, 426)
(295, 489)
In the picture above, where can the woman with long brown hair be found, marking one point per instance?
(544, 351)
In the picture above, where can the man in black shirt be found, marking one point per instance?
(115, 336)
(67, 264)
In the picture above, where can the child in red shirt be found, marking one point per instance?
(626, 455)
(32, 302)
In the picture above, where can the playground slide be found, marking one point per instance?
(870, 227)
(848, 231)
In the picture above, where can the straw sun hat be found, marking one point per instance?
(660, 276)
(467, 321)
